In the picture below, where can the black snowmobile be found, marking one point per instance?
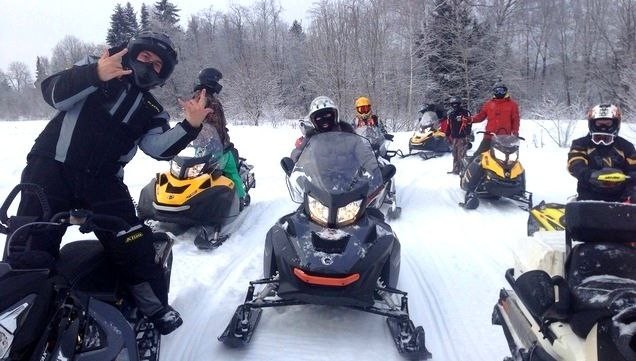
(379, 142)
(588, 312)
(428, 140)
(333, 250)
(77, 309)
(195, 193)
(495, 173)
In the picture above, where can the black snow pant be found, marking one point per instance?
(67, 189)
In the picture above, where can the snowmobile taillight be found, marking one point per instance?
(326, 281)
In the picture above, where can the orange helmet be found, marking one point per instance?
(363, 108)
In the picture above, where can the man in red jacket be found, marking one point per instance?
(502, 113)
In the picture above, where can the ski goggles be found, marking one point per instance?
(602, 138)
(364, 109)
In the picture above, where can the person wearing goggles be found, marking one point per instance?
(364, 115)
(603, 162)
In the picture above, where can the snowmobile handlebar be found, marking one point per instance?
(90, 222)
(493, 133)
(26, 188)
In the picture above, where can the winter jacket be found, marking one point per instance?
(373, 121)
(302, 141)
(586, 157)
(502, 114)
(230, 170)
(99, 125)
(458, 125)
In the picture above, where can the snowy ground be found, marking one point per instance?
(453, 260)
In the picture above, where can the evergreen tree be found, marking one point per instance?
(458, 58)
(41, 73)
(167, 14)
(123, 25)
(117, 26)
(130, 18)
(145, 18)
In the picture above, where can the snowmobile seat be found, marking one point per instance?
(602, 279)
(597, 221)
(85, 266)
(537, 291)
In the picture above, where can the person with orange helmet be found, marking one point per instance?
(364, 115)
(603, 153)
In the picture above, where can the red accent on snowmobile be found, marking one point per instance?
(326, 281)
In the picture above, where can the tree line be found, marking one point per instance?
(557, 57)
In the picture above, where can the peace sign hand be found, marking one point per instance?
(109, 67)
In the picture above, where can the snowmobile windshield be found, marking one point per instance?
(427, 120)
(202, 155)
(336, 163)
(373, 134)
(506, 143)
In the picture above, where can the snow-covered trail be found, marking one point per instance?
(453, 260)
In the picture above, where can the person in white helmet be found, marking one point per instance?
(323, 117)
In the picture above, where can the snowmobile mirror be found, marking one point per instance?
(287, 164)
(388, 171)
(389, 137)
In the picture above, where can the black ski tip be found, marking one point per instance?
(238, 333)
(409, 340)
(205, 244)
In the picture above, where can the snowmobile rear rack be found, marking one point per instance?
(409, 340)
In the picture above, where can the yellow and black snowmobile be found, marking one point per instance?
(495, 173)
(546, 217)
(428, 140)
(551, 216)
(195, 193)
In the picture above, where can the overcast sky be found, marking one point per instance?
(31, 28)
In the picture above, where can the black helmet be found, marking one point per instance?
(209, 79)
(499, 90)
(159, 43)
(455, 101)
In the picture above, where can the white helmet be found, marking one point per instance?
(323, 114)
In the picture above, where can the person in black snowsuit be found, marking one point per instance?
(600, 152)
(105, 112)
(323, 117)
(457, 131)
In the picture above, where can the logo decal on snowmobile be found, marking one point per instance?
(134, 236)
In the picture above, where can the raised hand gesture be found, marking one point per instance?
(195, 110)
(109, 66)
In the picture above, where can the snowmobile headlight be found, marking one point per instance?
(175, 169)
(513, 157)
(318, 211)
(499, 155)
(195, 170)
(348, 213)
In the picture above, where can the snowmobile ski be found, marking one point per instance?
(205, 242)
(148, 340)
(409, 340)
(241, 328)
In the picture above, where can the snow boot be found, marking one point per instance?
(166, 320)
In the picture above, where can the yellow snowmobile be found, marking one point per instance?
(495, 173)
(428, 140)
(551, 216)
(196, 193)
